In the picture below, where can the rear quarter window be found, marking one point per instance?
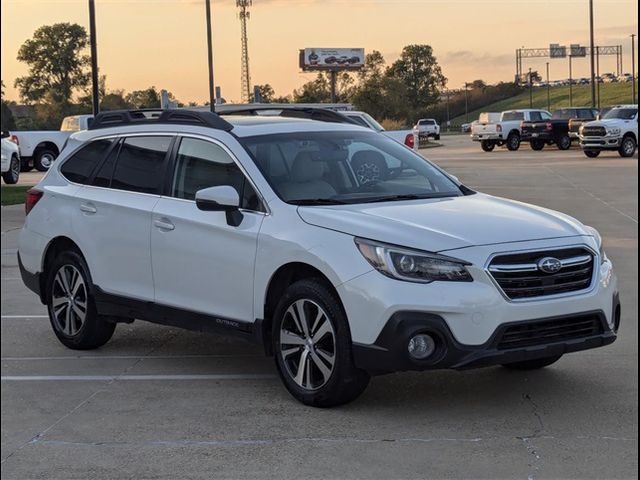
(79, 166)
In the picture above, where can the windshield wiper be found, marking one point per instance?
(396, 198)
(317, 201)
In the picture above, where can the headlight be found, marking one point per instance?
(599, 242)
(613, 131)
(412, 265)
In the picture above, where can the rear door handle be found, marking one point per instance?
(88, 208)
(164, 224)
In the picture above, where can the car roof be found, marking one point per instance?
(243, 126)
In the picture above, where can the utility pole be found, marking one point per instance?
(548, 89)
(244, 15)
(633, 68)
(571, 84)
(592, 55)
(95, 83)
(530, 90)
(212, 98)
(466, 103)
(448, 118)
(598, 73)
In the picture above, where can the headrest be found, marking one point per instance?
(304, 169)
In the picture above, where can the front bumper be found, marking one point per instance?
(600, 143)
(390, 353)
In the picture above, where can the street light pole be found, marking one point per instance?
(571, 84)
(598, 73)
(592, 55)
(530, 90)
(212, 98)
(95, 84)
(466, 103)
(548, 89)
(633, 67)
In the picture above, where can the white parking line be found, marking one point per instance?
(109, 378)
(128, 357)
(10, 317)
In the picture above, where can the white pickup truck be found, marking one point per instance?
(506, 131)
(427, 127)
(617, 130)
(40, 148)
(363, 118)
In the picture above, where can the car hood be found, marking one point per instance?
(606, 122)
(446, 223)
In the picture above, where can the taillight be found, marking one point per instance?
(33, 196)
(409, 141)
(498, 128)
(549, 126)
(14, 139)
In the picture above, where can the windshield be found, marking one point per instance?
(564, 114)
(510, 116)
(621, 113)
(345, 167)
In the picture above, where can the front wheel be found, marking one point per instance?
(43, 159)
(536, 144)
(12, 175)
(533, 364)
(513, 142)
(71, 307)
(487, 145)
(564, 142)
(312, 346)
(628, 147)
(592, 153)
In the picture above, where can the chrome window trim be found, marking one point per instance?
(543, 298)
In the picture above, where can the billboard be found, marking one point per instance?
(331, 58)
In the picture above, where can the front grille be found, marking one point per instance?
(594, 131)
(521, 277)
(543, 332)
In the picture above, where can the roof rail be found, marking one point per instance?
(120, 118)
(293, 111)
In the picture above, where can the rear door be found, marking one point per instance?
(200, 262)
(113, 215)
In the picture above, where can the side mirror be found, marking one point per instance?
(223, 198)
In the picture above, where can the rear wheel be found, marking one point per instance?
(487, 145)
(72, 310)
(628, 147)
(563, 142)
(513, 141)
(12, 175)
(536, 144)
(533, 364)
(592, 153)
(43, 159)
(312, 346)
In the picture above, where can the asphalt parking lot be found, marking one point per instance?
(159, 402)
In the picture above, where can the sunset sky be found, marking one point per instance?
(163, 42)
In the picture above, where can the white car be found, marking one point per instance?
(617, 130)
(259, 227)
(10, 161)
(406, 137)
(427, 127)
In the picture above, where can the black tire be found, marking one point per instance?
(436, 136)
(44, 158)
(591, 153)
(536, 145)
(92, 332)
(345, 382)
(513, 141)
(533, 364)
(487, 145)
(563, 142)
(12, 175)
(627, 147)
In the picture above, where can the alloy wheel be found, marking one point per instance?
(69, 300)
(46, 160)
(15, 168)
(628, 146)
(307, 344)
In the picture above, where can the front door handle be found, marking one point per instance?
(88, 208)
(164, 224)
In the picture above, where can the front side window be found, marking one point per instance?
(345, 167)
(79, 166)
(202, 164)
(140, 165)
(535, 116)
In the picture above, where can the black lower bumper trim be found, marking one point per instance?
(389, 353)
(31, 280)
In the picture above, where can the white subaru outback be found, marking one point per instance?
(261, 228)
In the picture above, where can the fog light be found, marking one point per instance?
(421, 346)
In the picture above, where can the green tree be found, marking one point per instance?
(266, 93)
(418, 69)
(7, 120)
(57, 64)
(315, 91)
(149, 98)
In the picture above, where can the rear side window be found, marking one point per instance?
(140, 165)
(79, 166)
(102, 177)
